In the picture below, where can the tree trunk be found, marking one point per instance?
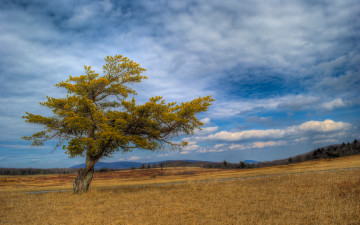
(82, 181)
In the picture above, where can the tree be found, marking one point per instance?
(242, 165)
(161, 165)
(225, 164)
(95, 119)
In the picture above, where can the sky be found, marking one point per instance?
(285, 74)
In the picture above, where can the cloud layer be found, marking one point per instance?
(302, 129)
(315, 131)
(277, 69)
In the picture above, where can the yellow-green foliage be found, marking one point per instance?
(96, 119)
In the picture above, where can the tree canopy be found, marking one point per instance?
(95, 118)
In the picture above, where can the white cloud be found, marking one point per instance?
(326, 141)
(210, 150)
(249, 134)
(184, 152)
(132, 158)
(324, 126)
(310, 126)
(191, 147)
(226, 109)
(219, 146)
(257, 145)
(206, 130)
(205, 121)
(302, 139)
(191, 143)
(299, 102)
(268, 144)
(287, 102)
(237, 147)
(336, 103)
(18, 146)
(335, 135)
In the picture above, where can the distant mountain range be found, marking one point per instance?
(111, 165)
(128, 164)
(250, 161)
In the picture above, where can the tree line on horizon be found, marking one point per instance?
(328, 152)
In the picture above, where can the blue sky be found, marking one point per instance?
(285, 74)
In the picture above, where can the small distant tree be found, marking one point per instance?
(290, 160)
(161, 165)
(242, 165)
(225, 164)
(95, 119)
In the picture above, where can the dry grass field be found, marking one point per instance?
(317, 192)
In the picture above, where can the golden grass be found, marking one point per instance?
(168, 175)
(319, 192)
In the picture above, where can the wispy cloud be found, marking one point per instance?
(336, 103)
(132, 158)
(284, 103)
(257, 145)
(206, 130)
(191, 147)
(23, 146)
(210, 150)
(205, 121)
(325, 141)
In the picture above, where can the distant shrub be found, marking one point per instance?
(225, 164)
(242, 164)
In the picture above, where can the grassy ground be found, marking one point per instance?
(319, 192)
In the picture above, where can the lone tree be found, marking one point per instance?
(95, 119)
